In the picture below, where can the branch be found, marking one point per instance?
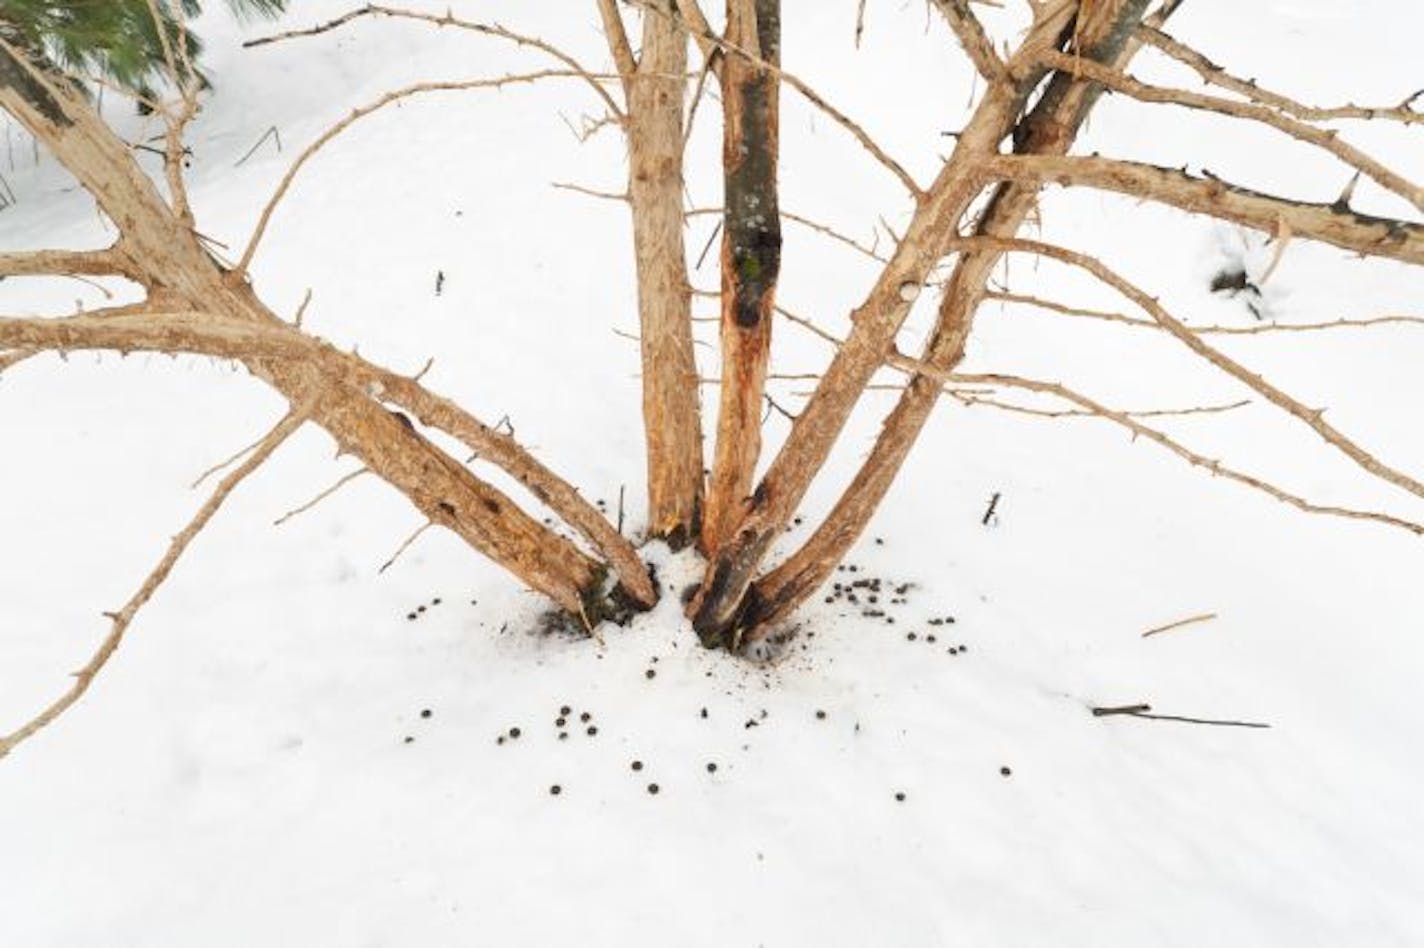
(1138, 429)
(1255, 330)
(1209, 195)
(807, 92)
(340, 483)
(365, 110)
(122, 619)
(1324, 139)
(1312, 418)
(108, 262)
(1190, 620)
(484, 29)
(618, 45)
(1124, 419)
(977, 44)
(1217, 76)
(204, 334)
(10, 359)
(702, 35)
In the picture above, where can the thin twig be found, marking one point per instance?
(85, 676)
(342, 482)
(1190, 620)
(359, 113)
(405, 545)
(270, 133)
(446, 19)
(1218, 76)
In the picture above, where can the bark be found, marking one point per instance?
(751, 256)
(671, 412)
(225, 318)
(1334, 223)
(1048, 129)
(723, 604)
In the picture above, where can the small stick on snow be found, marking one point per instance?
(989, 511)
(271, 133)
(1121, 709)
(1190, 620)
(1141, 711)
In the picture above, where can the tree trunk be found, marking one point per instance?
(751, 256)
(1049, 128)
(723, 603)
(671, 412)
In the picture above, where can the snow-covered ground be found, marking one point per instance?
(281, 755)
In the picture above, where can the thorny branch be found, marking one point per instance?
(1218, 76)
(121, 620)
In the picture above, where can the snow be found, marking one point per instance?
(241, 773)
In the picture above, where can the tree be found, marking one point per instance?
(127, 42)
(1035, 98)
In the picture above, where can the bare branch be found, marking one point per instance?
(1328, 223)
(1312, 418)
(124, 617)
(1218, 76)
(1258, 329)
(808, 93)
(1126, 420)
(359, 113)
(976, 42)
(109, 262)
(340, 483)
(484, 29)
(590, 192)
(618, 45)
(405, 545)
(1140, 430)
(1324, 139)
(1190, 620)
(808, 223)
(10, 359)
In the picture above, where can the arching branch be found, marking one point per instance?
(122, 619)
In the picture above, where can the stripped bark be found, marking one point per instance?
(722, 603)
(1049, 128)
(671, 412)
(1334, 223)
(161, 252)
(751, 256)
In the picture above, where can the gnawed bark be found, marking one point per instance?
(751, 256)
(1049, 128)
(163, 254)
(726, 601)
(1334, 223)
(671, 411)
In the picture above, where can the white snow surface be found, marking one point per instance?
(256, 767)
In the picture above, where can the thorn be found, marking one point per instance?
(1342, 203)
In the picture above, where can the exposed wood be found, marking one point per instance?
(110, 262)
(1051, 127)
(751, 257)
(179, 274)
(1218, 76)
(1210, 195)
(976, 42)
(672, 418)
(723, 603)
(1325, 139)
